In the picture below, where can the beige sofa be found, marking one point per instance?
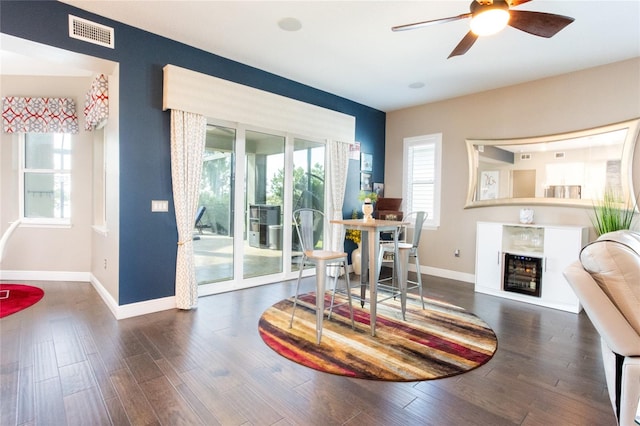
(606, 280)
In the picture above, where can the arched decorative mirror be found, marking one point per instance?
(570, 169)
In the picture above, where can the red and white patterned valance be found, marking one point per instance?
(96, 105)
(39, 115)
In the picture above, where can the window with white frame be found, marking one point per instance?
(421, 161)
(45, 177)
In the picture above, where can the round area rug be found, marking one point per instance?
(440, 341)
(16, 297)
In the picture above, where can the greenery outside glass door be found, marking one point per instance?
(264, 200)
(308, 184)
(214, 227)
(243, 235)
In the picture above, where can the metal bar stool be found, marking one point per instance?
(310, 225)
(400, 283)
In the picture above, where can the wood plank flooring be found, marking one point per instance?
(67, 361)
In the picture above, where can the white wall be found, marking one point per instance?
(575, 101)
(82, 252)
(65, 250)
(106, 236)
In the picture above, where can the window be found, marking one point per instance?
(46, 177)
(421, 161)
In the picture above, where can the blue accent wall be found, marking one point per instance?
(148, 240)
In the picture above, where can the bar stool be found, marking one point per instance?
(310, 225)
(400, 283)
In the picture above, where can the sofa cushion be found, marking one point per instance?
(613, 260)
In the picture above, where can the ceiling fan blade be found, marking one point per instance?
(422, 24)
(464, 45)
(538, 23)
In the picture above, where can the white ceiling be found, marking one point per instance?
(347, 47)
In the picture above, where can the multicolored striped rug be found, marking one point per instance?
(440, 341)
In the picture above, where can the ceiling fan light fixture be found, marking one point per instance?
(490, 16)
(489, 21)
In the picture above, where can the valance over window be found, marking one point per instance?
(96, 105)
(39, 115)
(214, 97)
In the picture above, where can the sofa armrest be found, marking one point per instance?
(612, 326)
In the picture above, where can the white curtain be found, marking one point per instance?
(188, 133)
(336, 185)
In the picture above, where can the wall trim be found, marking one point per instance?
(45, 276)
(146, 307)
(164, 303)
(118, 311)
(445, 273)
(108, 300)
(132, 309)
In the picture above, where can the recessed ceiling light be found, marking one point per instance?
(290, 24)
(416, 85)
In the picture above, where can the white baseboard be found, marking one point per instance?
(118, 311)
(132, 309)
(45, 276)
(108, 300)
(146, 307)
(445, 273)
(165, 303)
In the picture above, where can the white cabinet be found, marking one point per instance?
(525, 262)
(489, 258)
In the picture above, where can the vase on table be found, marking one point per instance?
(356, 260)
(367, 210)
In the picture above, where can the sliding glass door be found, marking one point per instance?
(265, 181)
(251, 183)
(308, 184)
(214, 225)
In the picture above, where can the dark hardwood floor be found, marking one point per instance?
(67, 361)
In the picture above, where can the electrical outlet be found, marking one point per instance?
(456, 252)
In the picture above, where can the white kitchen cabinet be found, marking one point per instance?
(525, 262)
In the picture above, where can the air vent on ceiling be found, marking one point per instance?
(559, 155)
(92, 32)
(525, 156)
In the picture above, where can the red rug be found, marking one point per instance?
(16, 297)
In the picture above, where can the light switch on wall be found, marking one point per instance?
(159, 205)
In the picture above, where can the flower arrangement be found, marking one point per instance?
(353, 234)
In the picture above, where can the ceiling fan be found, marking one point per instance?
(490, 16)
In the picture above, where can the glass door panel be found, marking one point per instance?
(214, 228)
(308, 184)
(265, 182)
(239, 232)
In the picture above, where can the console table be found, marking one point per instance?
(550, 247)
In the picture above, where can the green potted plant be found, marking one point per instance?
(612, 214)
(372, 196)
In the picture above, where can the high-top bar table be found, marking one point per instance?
(370, 231)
